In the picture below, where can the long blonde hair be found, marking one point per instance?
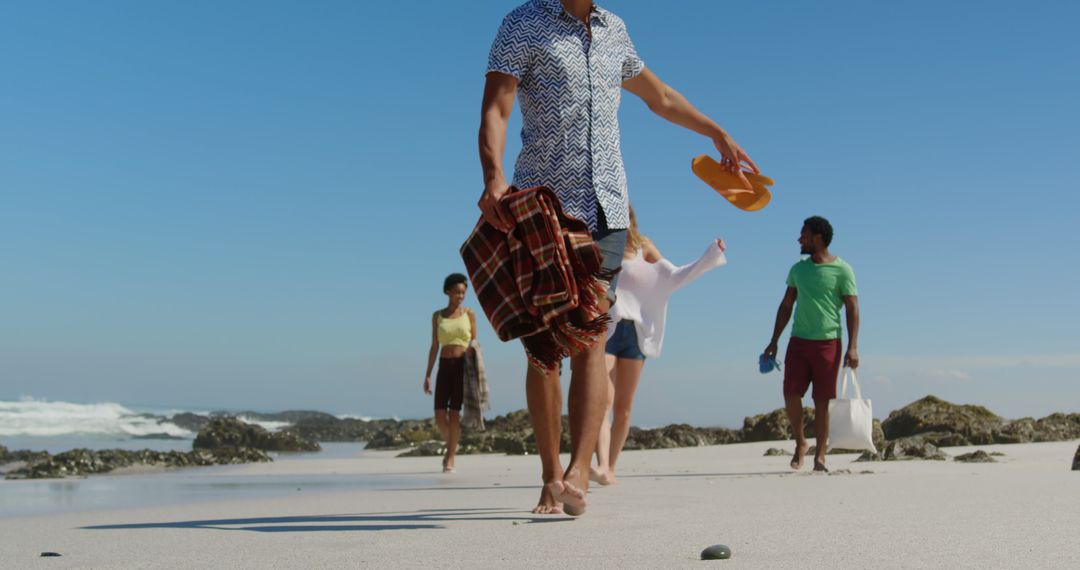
(633, 235)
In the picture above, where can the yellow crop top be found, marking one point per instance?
(456, 331)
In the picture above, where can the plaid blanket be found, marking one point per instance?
(542, 281)
(475, 399)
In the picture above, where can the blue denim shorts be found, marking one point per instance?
(611, 243)
(624, 342)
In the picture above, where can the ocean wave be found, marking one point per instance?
(268, 425)
(30, 417)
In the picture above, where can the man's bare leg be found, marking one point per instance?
(588, 395)
(628, 374)
(602, 473)
(793, 404)
(821, 426)
(544, 394)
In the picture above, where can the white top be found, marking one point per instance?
(643, 290)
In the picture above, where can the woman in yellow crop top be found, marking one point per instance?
(452, 329)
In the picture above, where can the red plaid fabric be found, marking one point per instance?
(541, 282)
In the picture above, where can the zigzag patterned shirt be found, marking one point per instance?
(569, 87)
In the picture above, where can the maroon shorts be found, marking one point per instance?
(450, 384)
(814, 362)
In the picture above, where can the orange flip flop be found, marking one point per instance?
(728, 184)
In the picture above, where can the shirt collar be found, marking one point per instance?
(555, 7)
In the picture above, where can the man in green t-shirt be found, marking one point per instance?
(821, 284)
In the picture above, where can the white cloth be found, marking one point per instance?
(643, 289)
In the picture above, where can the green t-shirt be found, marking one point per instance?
(822, 289)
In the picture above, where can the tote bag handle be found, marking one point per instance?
(854, 382)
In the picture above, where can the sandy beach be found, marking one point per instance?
(670, 504)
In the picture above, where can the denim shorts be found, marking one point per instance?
(611, 243)
(624, 342)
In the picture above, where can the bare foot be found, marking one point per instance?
(572, 496)
(547, 505)
(602, 477)
(800, 453)
(819, 465)
(447, 465)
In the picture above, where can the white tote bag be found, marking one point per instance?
(851, 422)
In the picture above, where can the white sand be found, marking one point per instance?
(1023, 512)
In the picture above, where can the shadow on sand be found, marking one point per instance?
(415, 520)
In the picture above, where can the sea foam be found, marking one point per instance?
(40, 418)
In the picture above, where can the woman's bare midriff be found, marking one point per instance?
(452, 351)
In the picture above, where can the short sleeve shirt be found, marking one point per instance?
(569, 88)
(821, 291)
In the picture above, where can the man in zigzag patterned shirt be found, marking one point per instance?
(567, 62)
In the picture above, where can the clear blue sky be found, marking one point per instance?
(253, 204)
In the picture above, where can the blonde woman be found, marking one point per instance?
(645, 284)
(452, 329)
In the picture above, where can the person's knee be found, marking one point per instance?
(622, 413)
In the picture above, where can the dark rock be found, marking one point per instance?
(426, 449)
(914, 447)
(157, 436)
(233, 433)
(1058, 427)
(716, 552)
(997, 454)
(1076, 460)
(957, 425)
(189, 421)
(1022, 430)
(977, 456)
(774, 426)
(975, 424)
(407, 433)
(877, 435)
(7, 456)
(81, 462)
(334, 429)
(869, 456)
(773, 452)
(678, 435)
(50, 554)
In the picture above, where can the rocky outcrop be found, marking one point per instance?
(678, 435)
(189, 421)
(81, 462)
(977, 456)
(914, 447)
(974, 424)
(335, 429)
(946, 424)
(774, 426)
(232, 433)
(407, 433)
(1056, 427)
(7, 456)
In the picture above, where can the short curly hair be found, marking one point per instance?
(820, 226)
(454, 279)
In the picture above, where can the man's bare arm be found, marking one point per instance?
(498, 103)
(783, 315)
(851, 310)
(665, 101)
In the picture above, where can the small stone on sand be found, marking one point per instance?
(716, 552)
